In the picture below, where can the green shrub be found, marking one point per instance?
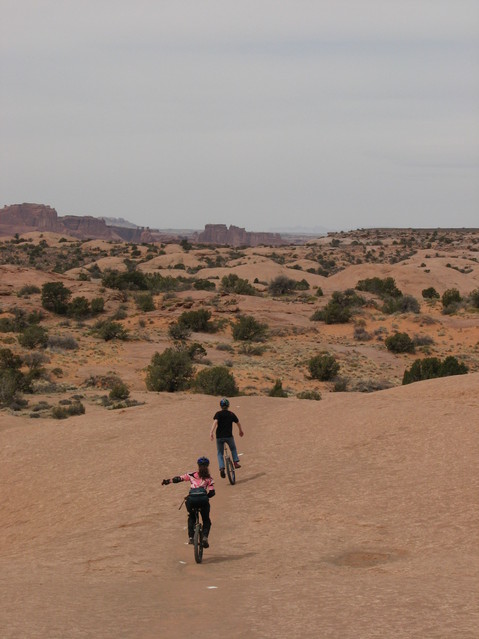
(451, 297)
(196, 351)
(281, 285)
(430, 293)
(198, 321)
(109, 330)
(55, 297)
(401, 304)
(62, 412)
(247, 328)
(204, 285)
(97, 305)
(179, 332)
(62, 342)
(170, 371)
(33, 336)
(78, 308)
(7, 325)
(217, 380)
(382, 287)
(234, 284)
(432, 367)
(311, 394)
(399, 343)
(28, 289)
(277, 390)
(474, 298)
(119, 391)
(12, 380)
(144, 302)
(323, 367)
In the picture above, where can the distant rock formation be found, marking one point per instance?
(236, 236)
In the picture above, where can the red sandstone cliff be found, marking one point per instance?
(236, 236)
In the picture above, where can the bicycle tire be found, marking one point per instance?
(198, 543)
(230, 471)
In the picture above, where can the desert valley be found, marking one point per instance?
(352, 361)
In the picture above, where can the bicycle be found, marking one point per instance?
(198, 533)
(228, 464)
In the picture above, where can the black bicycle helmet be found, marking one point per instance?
(203, 461)
(224, 403)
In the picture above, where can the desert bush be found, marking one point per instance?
(277, 390)
(62, 412)
(339, 309)
(399, 343)
(55, 297)
(430, 293)
(382, 287)
(319, 293)
(249, 348)
(400, 304)
(281, 285)
(217, 380)
(369, 385)
(323, 367)
(109, 330)
(196, 351)
(33, 336)
(97, 305)
(204, 285)
(179, 332)
(451, 297)
(473, 298)
(62, 342)
(144, 302)
(247, 328)
(311, 394)
(432, 367)
(340, 384)
(234, 284)
(170, 371)
(198, 321)
(78, 308)
(119, 391)
(7, 325)
(28, 289)
(222, 346)
(361, 334)
(422, 340)
(12, 380)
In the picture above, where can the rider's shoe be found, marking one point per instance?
(205, 542)
(237, 465)
(191, 541)
(222, 472)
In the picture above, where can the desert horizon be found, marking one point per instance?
(355, 509)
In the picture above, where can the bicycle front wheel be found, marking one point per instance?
(230, 471)
(198, 543)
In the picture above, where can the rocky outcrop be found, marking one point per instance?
(237, 236)
(22, 218)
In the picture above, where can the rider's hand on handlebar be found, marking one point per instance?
(165, 482)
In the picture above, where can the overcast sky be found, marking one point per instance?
(264, 114)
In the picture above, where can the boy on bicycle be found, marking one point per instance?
(223, 425)
(202, 489)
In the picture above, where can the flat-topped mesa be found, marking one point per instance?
(237, 236)
(86, 226)
(22, 218)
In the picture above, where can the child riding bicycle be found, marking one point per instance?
(202, 489)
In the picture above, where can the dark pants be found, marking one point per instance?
(204, 508)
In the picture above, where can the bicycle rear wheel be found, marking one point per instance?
(230, 471)
(198, 543)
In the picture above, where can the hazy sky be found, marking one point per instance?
(264, 114)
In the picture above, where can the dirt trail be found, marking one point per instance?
(355, 516)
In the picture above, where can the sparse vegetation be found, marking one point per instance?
(432, 367)
(217, 380)
(247, 328)
(170, 371)
(323, 367)
(399, 343)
